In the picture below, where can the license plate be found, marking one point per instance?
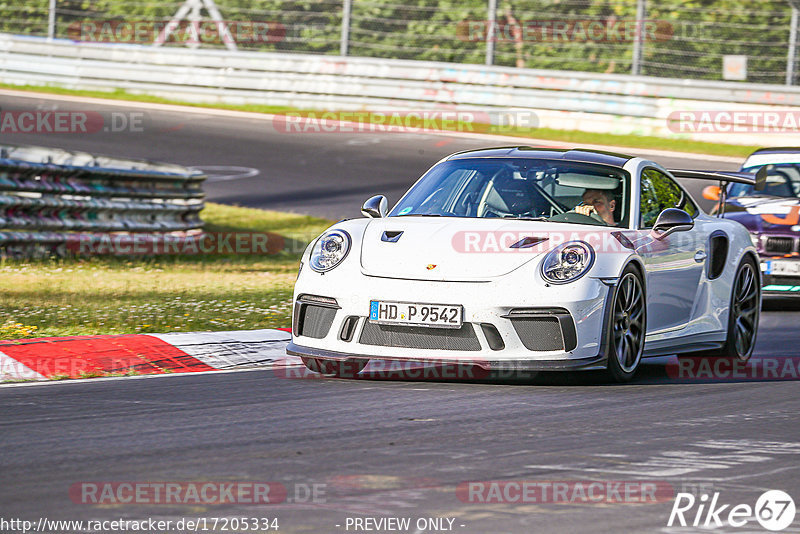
(783, 267)
(415, 313)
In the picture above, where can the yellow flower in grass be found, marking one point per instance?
(14, 330)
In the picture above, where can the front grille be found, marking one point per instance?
(779, 245)
(539, 333)
(417, 337)
(315, 321)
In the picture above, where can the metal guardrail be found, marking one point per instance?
(214, 71)
(561, 99)
(54, 202)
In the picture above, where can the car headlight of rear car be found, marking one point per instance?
(755, 238)
(329, 250)
(568, 262)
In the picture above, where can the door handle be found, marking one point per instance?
(700, 256)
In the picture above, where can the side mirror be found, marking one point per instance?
(673, 220)
(376, 207)
(712, 192)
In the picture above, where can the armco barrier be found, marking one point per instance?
(560, 99)
(54, 202)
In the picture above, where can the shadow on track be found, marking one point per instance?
(781, 303)
(670, 370)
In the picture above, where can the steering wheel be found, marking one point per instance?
(488, 209)
(433, 204)
(578, 218)
(430, 198)
(787, 179)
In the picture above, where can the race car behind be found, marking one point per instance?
(772, 215)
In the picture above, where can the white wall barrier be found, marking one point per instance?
(617, 104)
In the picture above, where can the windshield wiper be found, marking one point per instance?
(419, 215)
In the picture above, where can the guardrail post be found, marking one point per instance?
(491, 35)
(790, 57)
(638, 40)
(347, 8)
(51, 20)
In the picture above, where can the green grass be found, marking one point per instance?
(168, 294)
(571, 137)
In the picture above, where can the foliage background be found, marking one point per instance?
(698, 32)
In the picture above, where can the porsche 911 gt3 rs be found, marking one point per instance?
(531, 259)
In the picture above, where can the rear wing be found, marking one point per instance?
(757, 180)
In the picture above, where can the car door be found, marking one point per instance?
(674, 264)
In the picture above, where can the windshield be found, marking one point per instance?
(554, 190)
(783, 180)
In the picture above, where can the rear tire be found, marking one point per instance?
(626, 326)
(744, 313)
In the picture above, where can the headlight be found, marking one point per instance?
(567, 262)
(329, 250)
(755, 238)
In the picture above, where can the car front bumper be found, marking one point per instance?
(582, 364)
(506, 326)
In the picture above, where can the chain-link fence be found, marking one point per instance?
(751, 41)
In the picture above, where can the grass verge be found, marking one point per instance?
(62, 297)
(572, 137)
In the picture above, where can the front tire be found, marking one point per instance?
(626, 326)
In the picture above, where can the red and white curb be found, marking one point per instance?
(90, 356)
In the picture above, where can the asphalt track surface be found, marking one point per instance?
(385, 448)
(324, 174)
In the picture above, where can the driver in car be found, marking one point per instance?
(600, 201)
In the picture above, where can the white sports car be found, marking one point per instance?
(531, 259)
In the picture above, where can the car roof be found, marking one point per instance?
(584, 155)
(772, 155)
(778, 150)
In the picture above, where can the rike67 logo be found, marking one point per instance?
(774, 510)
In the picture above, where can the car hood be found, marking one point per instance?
(765, 214)
(459, 249)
